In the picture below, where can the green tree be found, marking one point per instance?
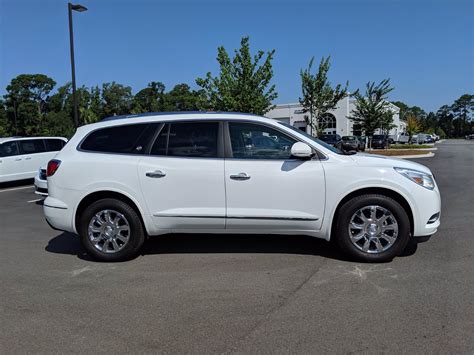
(386, 122)
(116, 98)
(413, 125)
(243, 84)
(445, 120)
(26, 100)
(150, 99)
(318, 95)
(58, 124)
(371, 107)
(182, 98)
(5, 127)
(463, 109)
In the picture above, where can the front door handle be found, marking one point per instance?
(28, 158)
(155, 174)
(18, 159)
(240, 176)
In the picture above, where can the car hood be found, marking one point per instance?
(374, 160)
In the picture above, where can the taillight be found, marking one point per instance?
(53, 166)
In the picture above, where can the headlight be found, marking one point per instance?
(417, 177)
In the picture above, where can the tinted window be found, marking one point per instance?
(131, 139)
(319, 141)
(54, 145)
(252, 141)
(187, 139)
(8, 149)
(161, 142)
(31, 146)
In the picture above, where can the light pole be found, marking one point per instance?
(78, 8)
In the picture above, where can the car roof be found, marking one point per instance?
(174, 116)
(7, 139)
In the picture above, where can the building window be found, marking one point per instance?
(327, 121)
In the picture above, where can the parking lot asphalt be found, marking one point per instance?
(245, 294)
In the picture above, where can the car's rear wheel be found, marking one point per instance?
(372, 228)
(111, 230)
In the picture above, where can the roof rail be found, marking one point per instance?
(146, 114)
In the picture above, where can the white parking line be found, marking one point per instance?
(38, 199)
(18, 188)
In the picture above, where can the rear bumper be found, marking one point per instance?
(41, 186)
(58, 215)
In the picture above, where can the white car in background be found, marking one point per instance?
(121, 180)
(41, 184)
(20, 158)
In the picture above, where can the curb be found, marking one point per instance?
(428, 155)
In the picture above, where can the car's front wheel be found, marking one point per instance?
(372, 228)
(111, 230)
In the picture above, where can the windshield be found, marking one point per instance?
(378, 136)
(316, 140)
(348, 138)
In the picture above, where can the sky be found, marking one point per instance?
(425, 47)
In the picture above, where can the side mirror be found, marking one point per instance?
(301, 150)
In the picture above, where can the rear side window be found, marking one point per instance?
(9, 149)
(32, 146)
(131, 139)
(54, 145)
(187, 139)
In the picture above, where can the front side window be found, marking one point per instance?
(253, 141)
(187, 139)
(314, 139)
(9, 149)
(32, 146)
(126, 139)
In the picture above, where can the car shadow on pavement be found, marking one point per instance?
(17, 183)
(67, 243)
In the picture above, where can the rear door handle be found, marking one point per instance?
(28, 158)
(17, 159)
(155, 174)
(240, 176)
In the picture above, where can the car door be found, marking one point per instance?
(34, 155)
(182, 179)
(265, 187)
(10, 161)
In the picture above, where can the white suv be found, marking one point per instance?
(22, 157)
(120, 180)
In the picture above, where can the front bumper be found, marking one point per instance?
(428, 207)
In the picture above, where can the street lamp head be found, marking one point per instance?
(78, 8)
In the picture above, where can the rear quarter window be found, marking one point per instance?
(125, 139)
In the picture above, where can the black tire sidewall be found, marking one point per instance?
(350, 207)
(137, 235)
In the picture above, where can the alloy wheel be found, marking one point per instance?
(109, 231)
(373, 229)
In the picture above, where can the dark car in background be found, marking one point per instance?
(380, 141)
(350, 143)
(332, 139)
(362, 142)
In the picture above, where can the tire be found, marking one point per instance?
(383, 250)
(117, 237)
